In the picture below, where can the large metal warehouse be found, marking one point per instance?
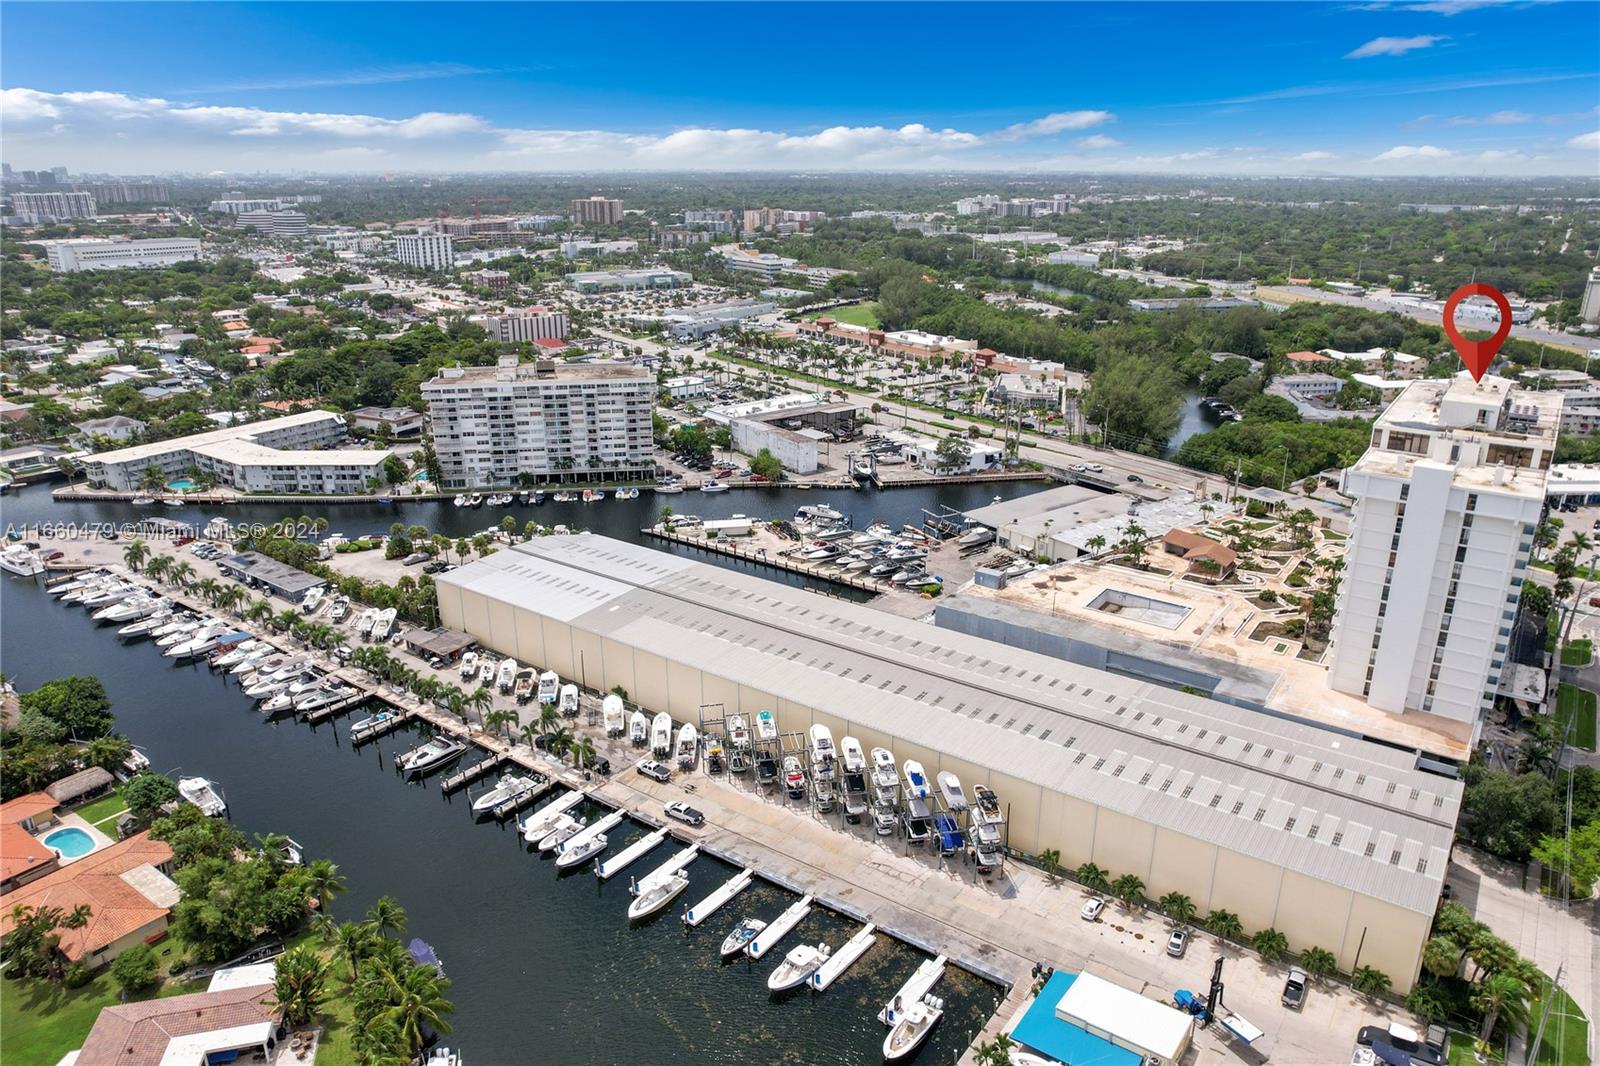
(1335, 841)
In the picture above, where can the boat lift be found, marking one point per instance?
(916, 986)
(779, 927)
(841, 960)
(734, 885)
(714, 730)
(643, 846)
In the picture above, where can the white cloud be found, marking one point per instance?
(1585, 140)
(1410, 151)
(1395, 46)
(1049, 125)
(379, 76)
(1312, 157)
(1098, 140)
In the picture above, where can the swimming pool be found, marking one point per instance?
(183, 484)
(71, 842)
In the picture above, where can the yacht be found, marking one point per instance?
(661, 735)
(270, 685)
(794, 778)
(277, 703)
(128, 610)
(426, 758)
(976, 537)
(160, 617)
(198, 644)
(20, 561)
(237, 654)
(912, 1028)
(368, 727)
(203, 794)
(469, 665)
(950, 791)
(549, 687)
(330, 693)
(668, 488)
(112, 593)
(509, 787)
(638, 729)
(655, 892)
(713, 485)
(506, 677)
(797, 967)
(688, 750)
(179, 632)
(383, 625)
(612, 712)
(263, 658)
(819, 512)
(743, 933)
(820, 553)
(144, 501)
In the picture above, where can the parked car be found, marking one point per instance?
(1177, 943)
(654, 771)
(1294, 989)
(1136, 479)
(682, 812)
(1092, 908)
(1403, 1039)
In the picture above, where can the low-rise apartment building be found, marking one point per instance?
(514, 326)
(425, 251)
(543, 422)
(71, 254)
(591, 281)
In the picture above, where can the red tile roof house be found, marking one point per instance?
(231, 1025)
(126, 888)
(23, 858)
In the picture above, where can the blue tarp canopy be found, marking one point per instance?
(1047, 1034)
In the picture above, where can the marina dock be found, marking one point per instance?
(916, 986)
(720, 895)
(678, 862)
(779, 927)
(639, 848)
(511, 806)
(462, 778)
(761, 557)
(841, 960)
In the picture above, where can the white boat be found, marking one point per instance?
(372, 725)
(661, 735)
(916, 780)
(854, 759)
(150, 622)
(568, 700)
(383, 625)
(112, 593)
(593, 495)
(469, 665)
(654, 893)
(130, 609)
(797, 967)
(431, 756)
(794, 778)
(509, 787)
(177, 634)
(589, 843)
(198, 644)
(688, 750)
(144, 501)
(317, 699)
(270, 685)
(563, 829)
(486, 671)
(522, 687)
(313, 599)
(950, 791)
(263, 658)
(638, 729)
(60, 591)
(281, 701)
(766, 726)
(976, 537)
(912, 1028)
(613, 713)
(626, 494)
(549, 686)
(822, 751)
(713, 485)
(461, 501)
(507, 676)
(365, 621)
(238, 653)
(20, 561)
(738, 733)
(203, 794)
(536, 824)
(742, 935)
(340, 609)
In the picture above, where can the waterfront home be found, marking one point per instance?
(225, 1025)
(22, 857)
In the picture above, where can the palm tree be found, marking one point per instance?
(208, 588)
(530, 732)
(1129, 889)
(160, 566)
(1050, 862)
(386, 914)
(298, 983)
(259, 611)
(181, 575)
(417, 1004)
(1225, 924)
(325, 882)
(108, 753)
(582, 752)
(549, 718)
(1093, 878)
(1318, 962)
(1501, 996)
(496, 720)
(1270, 944)
(560, 742)
(480, 701)
(354, 942)
(1369, 981)
(1441, 957)
(1490, 954)
(1095, 543)
(1178, 907)
(231, 597)
(135, 555)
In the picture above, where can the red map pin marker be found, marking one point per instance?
(1477, 355)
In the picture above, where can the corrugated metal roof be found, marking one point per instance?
(1286, 792)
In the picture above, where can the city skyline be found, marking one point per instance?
(1448, 87)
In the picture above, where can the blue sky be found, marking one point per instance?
(1417, 86)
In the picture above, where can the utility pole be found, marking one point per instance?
(1544, 1015)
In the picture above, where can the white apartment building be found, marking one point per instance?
(38, 207)
(591, 281)
(1589, 309)
(584, 249)
(293, 454)
(239, 207)
(425, 251)
(276, 223)
(1447, 497)
(72, 254)
(750, 261)
(527, 324)
(570, 422)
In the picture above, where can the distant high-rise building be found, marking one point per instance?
(275, 223)
(527, 324)
(127, 192)
(1447, 498)
(60, 173)
(37, 207)
(1589, 310)
(493, 425)
(597, 210)
(425, 251)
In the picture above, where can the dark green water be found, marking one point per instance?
(545, 968)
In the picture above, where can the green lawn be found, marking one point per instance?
(1566, 1034)
(855, 314)
(1577, 705)
(1578, 653)
(101, 809)
(1463, 1051)
(43, 1021)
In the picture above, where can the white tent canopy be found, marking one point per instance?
(1126, 1018)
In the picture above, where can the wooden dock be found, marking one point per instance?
(462, 778)
(332, 710)
(777, 562)
(511, 806)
